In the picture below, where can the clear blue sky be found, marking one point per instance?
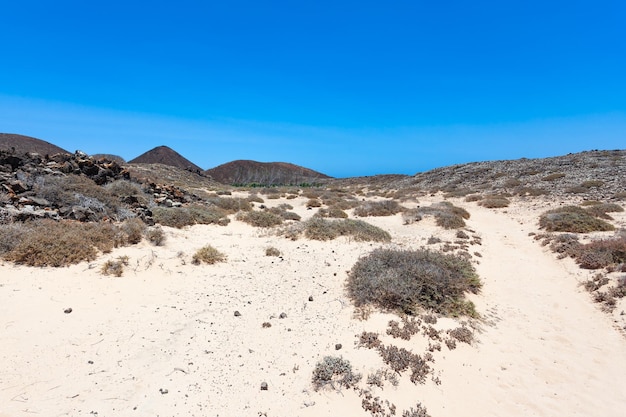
(344, 87)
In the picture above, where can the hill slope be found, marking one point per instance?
(166, 156)
(23, 144)
(265, 173)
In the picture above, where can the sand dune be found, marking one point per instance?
(164, 340)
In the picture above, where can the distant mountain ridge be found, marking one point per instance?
(166, 156)
(263, 173)
(22, 144)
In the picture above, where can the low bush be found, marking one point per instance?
(115, 267)
(494, 202)
(378, 208)
(209, 255)
(272, 251)
(572, 219)
(406, 281)
(600, 210)
(553, 177)
(602, 253)
(313, 202)
(180, 217)
(332, 212)
(334, 370)
(156, 236)
(260, 218)
(231, 205)
(446, 215)
(321, 229)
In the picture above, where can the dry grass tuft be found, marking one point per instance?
(209, 255)
(318, 228)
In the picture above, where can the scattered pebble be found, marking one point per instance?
(264, 386)
(67, 310)
(310, 298)
(282, 316)
(163, 391)
(338, 346)
(237, 313)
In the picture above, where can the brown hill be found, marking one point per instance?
(263, 173)
(166, 156)
(22, 144)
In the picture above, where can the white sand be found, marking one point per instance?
(544, 349)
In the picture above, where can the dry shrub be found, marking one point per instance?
(553, 177)
(133, 229)
(378, 208)
(50, 243)
(406, 281)
(318, 228)
(446, 215)
(600, 210)
(572, 219)
(369, 340)
(254, 198)
(156, 236)
(80, 192)
(462, 334)
(334, 370)
(602, 253)
(473, 197)
(209, 255)
(332, 212)
(272, 251)
(231, 205)
(116, 267)
(313, 202)
(260, 218)
(400, 359)
(282, 211)
(592, 184)
(180, 217)
(494, 202)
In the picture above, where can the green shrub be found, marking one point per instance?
(408, 280)
(334, 370)
(209, 255)
(378, 208)
(572, 219)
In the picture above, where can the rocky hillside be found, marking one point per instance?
(597, 174)
(22, 144)
(166, 156)
(245, 172)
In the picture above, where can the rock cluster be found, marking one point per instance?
(25, 177)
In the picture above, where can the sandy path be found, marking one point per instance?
(549, 351)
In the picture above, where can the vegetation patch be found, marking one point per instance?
(180, 217)
(378, 208)
(262, 218)
(115, 267)
(209, 255)
(318, 228)
(334, 372)
(494, 201)
(447, 215)
(407, 281)
(63, 243)
(572, 219)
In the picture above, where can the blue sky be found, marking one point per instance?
(344, 87)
